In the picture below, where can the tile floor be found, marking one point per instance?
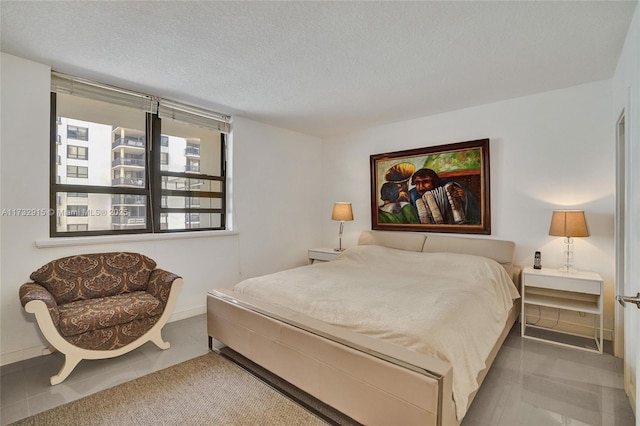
(538, 384)
(25, 385)
(531, 383)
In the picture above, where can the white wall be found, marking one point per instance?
(277, 196)
(275, 190)
(551, 150)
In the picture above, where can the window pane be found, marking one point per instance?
(189, 220)
(191, 149)
(115, 134)
(189, 184)
(100, 212)
(192, 202)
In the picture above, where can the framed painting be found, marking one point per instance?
(441, 188)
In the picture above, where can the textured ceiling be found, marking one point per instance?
(324, 68)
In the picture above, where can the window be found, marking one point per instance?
(78, 172)
(78, 133)
(193, 165)
(74, 210)
(192, 149)
(193, 183)
(156, 165)
(77, 152)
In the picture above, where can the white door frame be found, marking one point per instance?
(619, 237)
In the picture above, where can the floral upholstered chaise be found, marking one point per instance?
(100, 305)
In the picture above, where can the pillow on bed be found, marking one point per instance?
(396, 240)
(499, 250)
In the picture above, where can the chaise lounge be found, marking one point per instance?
(100, 305)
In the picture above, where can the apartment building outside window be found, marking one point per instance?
(151, 159)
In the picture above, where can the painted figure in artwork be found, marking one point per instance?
(439, 201)
(400, 174)
(393, 209)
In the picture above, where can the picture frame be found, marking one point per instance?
(444, 188)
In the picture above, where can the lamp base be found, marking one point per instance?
(568, 260)
(339, 239)
(568, 269)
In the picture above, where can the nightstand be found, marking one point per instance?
(578, 292)
(322, 255)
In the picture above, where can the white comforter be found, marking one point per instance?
(452, 306)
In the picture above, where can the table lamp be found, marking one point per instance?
(568, 224)
(342, 212)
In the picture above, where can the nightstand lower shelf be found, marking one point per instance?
(562, 338)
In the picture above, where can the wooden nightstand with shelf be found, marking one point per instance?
(322, 255)
(578, 292)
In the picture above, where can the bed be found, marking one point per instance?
(400, 329)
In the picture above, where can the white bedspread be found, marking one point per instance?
(452, 306)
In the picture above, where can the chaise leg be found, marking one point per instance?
(70, 362)
(159, 341)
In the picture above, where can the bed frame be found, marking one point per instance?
(372, 381)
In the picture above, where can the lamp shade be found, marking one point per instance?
(568, 223)
(342, 211)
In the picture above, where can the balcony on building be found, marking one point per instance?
(192, 220)
(129, 221)
(124, 200)
(128, 181)
(192, 150)
(128, 139)
(128, 162)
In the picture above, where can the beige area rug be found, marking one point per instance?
(208, 390)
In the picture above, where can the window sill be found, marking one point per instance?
(128, 238)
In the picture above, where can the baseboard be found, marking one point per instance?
(36, 351)
(188, 313)
(23, 354)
